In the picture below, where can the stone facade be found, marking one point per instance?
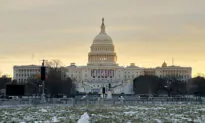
(22, 73)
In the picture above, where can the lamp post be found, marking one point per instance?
(43, 74)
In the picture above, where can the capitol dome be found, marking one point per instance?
(102, 50)
(102, 37)
(164, 64)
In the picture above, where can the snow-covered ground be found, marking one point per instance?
(106, 114)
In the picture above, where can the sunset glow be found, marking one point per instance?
(146, 32)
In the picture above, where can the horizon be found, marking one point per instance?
(144, 34)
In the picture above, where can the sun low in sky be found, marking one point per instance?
(145, 32)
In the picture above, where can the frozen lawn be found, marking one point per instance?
(104, 114)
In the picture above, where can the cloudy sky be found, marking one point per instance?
(146, 32)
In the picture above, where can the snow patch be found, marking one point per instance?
(43, 110)
(54, 119)
(84, 118)
(158, 121)
(130, 112)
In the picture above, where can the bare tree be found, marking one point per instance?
(55, 63)
(56, 83)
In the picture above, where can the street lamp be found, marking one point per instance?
(43, 75)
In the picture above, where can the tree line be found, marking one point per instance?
(169, 86)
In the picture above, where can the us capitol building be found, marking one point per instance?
(102, 69)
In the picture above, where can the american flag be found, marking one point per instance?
(102, 72)
(106, 73)
(98, 72)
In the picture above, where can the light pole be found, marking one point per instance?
(43, 74)
(43, 92)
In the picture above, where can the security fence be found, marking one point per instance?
(104, 101)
